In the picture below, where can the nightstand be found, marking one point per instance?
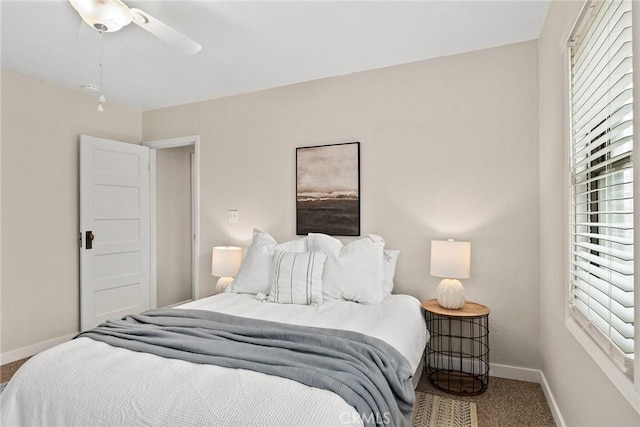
(457, 356)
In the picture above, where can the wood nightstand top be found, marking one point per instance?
(470, 309)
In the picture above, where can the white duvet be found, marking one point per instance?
(89, 383)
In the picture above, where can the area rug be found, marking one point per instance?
(436, 411)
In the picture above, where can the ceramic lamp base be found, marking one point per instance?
(450, 294)
(222, 284)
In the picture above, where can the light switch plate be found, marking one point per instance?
(233, 216)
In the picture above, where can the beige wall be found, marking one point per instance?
(448, 149)
(173, 225)
(41, 123)
(584, 394)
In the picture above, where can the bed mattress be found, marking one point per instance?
(85, 382)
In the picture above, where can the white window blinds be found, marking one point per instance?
(601, 243)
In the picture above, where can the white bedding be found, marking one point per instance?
(84, 382)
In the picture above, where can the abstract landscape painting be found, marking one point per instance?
(328, 189)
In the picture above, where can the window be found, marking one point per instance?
(602, 219)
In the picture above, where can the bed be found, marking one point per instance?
(89, 382)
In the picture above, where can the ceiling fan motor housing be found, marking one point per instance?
(111, 15)
(103, 15)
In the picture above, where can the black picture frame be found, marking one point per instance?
(328, 189)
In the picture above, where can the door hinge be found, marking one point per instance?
(80, 240)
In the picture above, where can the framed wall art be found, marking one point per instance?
(328, 189)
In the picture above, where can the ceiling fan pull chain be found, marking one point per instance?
(101, 98)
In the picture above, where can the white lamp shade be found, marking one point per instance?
(449, 259)
(225, 261)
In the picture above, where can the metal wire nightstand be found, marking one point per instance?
(457, 356)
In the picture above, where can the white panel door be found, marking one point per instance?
(114, 230)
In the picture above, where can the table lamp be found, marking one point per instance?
(452, 261)
(225, 262)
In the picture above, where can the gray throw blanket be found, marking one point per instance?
(366, 372)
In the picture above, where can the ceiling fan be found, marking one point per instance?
(111, 15)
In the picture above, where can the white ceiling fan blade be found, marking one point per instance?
(165, 32)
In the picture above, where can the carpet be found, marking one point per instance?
(435, 411)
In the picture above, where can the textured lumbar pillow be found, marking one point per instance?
(297, 278)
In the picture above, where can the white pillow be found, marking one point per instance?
(354, 271)
(256, 270)
(389, 270)
(297, 278)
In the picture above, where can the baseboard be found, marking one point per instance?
(178, 303)
(534, 376)
(515, 373)
(553, 405)
(30, 350)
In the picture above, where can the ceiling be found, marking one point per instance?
(250, 46)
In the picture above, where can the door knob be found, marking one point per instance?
(89, 239)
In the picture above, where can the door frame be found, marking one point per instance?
(159, 144)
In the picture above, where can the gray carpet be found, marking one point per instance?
(506, 403)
